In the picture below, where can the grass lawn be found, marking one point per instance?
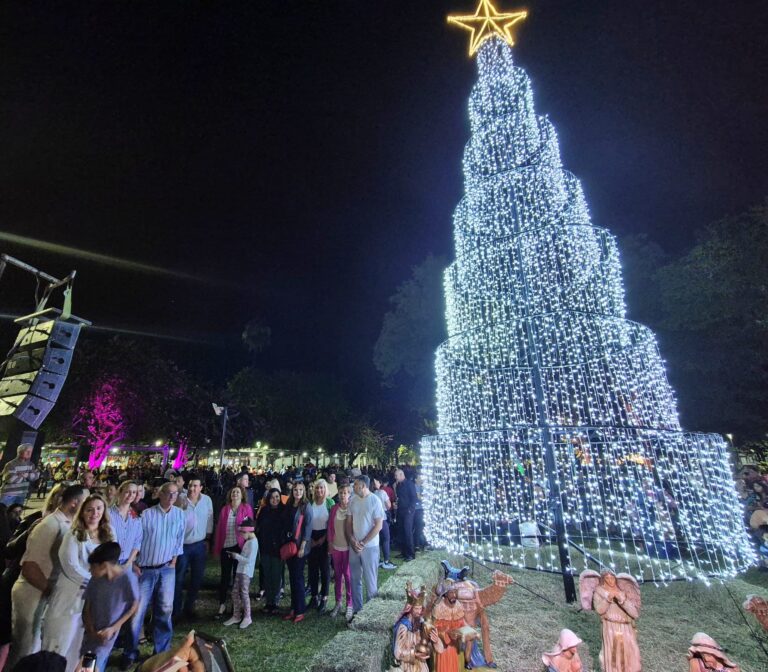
(269, 644)
(522, 626)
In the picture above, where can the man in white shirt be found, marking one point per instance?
(365, 518)
(197, 537)
(39, 570)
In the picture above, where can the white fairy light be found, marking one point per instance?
(539, 346)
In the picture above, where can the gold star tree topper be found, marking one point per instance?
(486, 22)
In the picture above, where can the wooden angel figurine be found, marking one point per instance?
(616, 599)
(414, 639)
(758, 607)
(705, 655)
(565, 656)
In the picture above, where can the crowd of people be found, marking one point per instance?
(114, 551)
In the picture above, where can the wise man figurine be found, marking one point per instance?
(616, 599)
(414, 638)
(475, 599)
(706, 655)
(452, 627)
(565, 656)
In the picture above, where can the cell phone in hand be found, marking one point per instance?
(89, 663)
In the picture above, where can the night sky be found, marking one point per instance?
(299, 156)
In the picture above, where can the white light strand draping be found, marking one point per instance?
(539, 346)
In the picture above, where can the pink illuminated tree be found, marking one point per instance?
(182, 455)
(101, 420)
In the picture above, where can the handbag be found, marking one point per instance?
(290, 549)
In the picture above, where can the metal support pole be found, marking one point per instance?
(556, 506)
(223, 438)
(550, 461)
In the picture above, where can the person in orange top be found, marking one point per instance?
(452, 628)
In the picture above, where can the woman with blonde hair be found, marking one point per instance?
(63, 624)
(54, 499)
(125, 522)
(318, 561)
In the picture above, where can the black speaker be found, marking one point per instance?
(35, 370)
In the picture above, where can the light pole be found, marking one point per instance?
(224, 412)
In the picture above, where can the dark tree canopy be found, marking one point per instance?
(287, 409)
(161, 400)
(404, 353)
(715, 311)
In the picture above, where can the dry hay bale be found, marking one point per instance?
(378, 615)
(394, 587)
(424, 571)
(426, 566)
(351, 651)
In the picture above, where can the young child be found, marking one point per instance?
(246, 560)
(111, 599)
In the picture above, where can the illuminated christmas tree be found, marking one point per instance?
(559, 444)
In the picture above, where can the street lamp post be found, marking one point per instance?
(224, 412)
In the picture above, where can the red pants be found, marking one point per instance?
(341, 571)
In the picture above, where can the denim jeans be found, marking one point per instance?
(364, 567)
(296, 576)
(156, 588)
(384, 540)
(406, 518)
(194, 560)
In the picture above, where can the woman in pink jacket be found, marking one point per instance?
(228, 539)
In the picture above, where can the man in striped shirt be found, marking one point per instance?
(162, 542)
(17, 475)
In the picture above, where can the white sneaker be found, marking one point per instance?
(350, 614)
(245, 623)
(387, 565)
(336, 610)
(222, 609)
(233, 620)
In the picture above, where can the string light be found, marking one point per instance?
(540, 357)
